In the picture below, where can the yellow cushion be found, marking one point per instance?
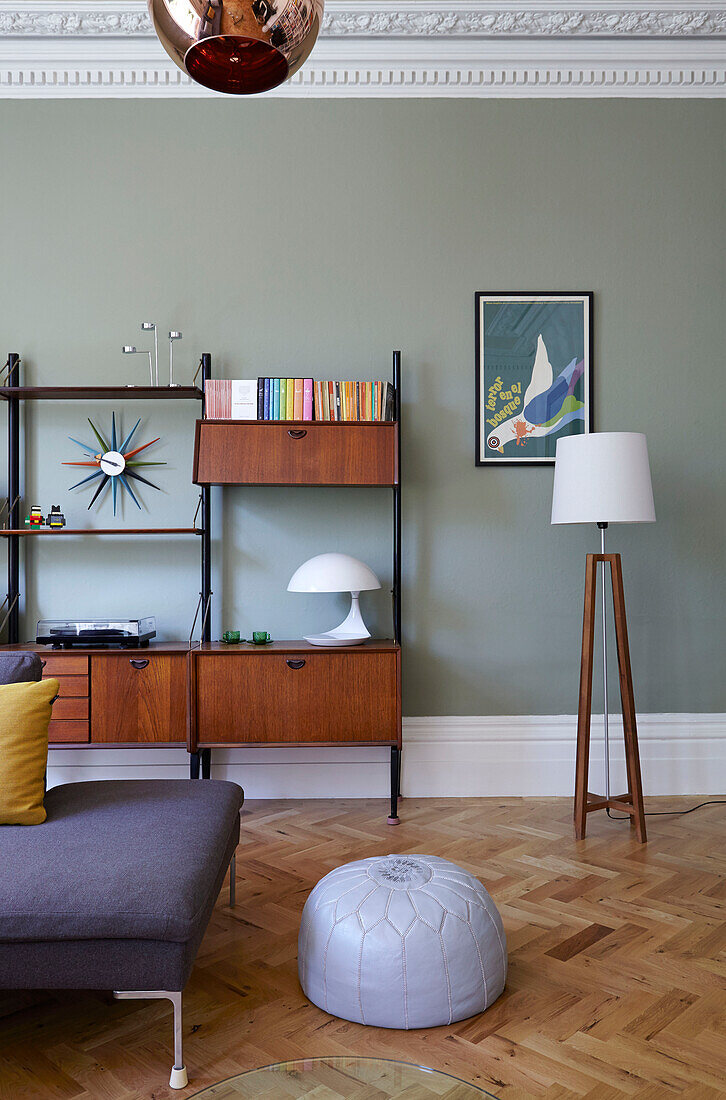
(25, 711)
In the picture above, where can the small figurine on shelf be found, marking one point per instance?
(55, 517)
(35, 519)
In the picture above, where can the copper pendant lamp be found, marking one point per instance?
(237, 46)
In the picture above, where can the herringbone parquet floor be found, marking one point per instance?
(617, 981)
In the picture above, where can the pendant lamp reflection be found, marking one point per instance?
(238, 46)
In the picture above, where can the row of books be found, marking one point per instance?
(297, 399)
(354, 401)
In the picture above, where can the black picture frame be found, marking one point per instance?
(581, 410)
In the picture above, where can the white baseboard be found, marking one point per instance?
(443, 757)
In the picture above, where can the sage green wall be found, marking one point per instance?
(312, 238)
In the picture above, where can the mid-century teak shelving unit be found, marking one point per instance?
(293, 692)
(207, 694)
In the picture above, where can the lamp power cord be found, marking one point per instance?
(670, 813)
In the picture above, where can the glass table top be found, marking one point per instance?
(342, 1079)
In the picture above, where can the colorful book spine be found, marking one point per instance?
(260, 398)
(275, 399)
(297, 405)
(266, 406)
(307, 399)
(218, 403)
(289, 400)
(283, 399)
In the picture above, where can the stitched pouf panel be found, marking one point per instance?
(401, 941)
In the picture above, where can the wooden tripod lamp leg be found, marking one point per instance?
(632, 755)
(585, 703)
(632, 802)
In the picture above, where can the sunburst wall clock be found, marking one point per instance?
(114, 462)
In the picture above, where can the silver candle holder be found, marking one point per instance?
(172, 337)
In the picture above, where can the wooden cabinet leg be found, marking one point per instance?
(632, 755)
(206, 755)
(194, 765)
(584, 709)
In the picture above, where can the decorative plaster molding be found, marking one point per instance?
(557, 21)
(370, 48)
(410, 18)
(55, 20)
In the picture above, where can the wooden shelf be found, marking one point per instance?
(377, 645)
(296, 452)
(77, 651)
(8, 532)
(101, 393)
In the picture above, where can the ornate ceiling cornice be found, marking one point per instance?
(454, 48)
(374, 18)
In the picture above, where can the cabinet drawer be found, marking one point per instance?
(138, 698)
(330, 697)
(295, 453)
(58, 732)
(70, 708)
(64, 664)
(71, 686)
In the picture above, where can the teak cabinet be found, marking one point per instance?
(296, 694)
(303, 452)
(139, 697)
(289, 693)
(118, 697)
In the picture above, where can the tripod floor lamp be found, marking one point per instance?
(604, 478)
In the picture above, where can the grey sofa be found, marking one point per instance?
(115, 889)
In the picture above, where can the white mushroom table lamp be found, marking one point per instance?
(337, 573)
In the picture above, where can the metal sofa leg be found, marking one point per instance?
(178, 1079)
(232, 881)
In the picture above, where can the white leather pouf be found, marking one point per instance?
(401, 941)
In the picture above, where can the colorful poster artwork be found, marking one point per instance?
(533, 375)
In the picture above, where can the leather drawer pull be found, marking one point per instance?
(294, 664)
(43, 663)
(297, 433)
(138, 664)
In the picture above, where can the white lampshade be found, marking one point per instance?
(333, 573)
(603, 477)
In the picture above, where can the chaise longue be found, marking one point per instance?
(115, 889)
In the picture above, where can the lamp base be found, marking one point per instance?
(334, 637)
(630, 803)
(352, 631)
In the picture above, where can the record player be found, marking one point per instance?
(120, 633)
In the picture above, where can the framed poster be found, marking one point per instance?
(533, 374)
